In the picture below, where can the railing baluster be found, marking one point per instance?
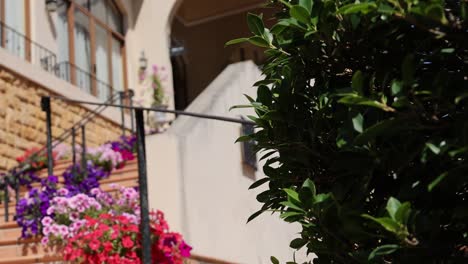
(45, 104)
(6, 199)
(143, 187)
(83, 150)
(131, 93)
(122, 112)
(74, 151)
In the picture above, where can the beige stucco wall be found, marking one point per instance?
(204, 191)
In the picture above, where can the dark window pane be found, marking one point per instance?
(114, 19)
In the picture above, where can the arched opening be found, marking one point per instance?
(199, 30)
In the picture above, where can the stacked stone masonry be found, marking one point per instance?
(22, 122)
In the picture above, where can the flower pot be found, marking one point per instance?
(157, 120)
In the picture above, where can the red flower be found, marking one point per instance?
(94, 245)
(127, 242)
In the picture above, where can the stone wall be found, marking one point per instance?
(22, 122)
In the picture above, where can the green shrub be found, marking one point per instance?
(363, 122)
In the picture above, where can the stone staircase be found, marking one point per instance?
(14, 250)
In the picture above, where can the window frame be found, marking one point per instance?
(27, 27)
(93, 21)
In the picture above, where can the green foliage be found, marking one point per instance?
(363, 124)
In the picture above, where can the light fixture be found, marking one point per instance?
(143, 61)
(51, 5)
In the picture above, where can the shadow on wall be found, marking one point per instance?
(136, 7)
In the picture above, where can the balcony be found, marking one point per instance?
(23, 47)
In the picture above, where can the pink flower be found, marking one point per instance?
(45, 241)
(47, 221)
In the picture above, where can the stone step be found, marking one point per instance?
(19, 248)
(59, 171)
(40, 258)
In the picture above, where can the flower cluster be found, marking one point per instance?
(101, 228)
(157, 78)
(106, 157)
(78, 180)
(31, 209)
(117, 239)
(126, 146)
(35, 158)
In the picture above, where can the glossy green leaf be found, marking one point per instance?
(436, 182)
(358, 123)
(255, 215)
(358, 8)
(259, 41)
(392, 207)
(388, 223)
(298, 243)
(255, 24)
(300, 14)
(403, 213)
(274, 260)
(358, 82)
(259, 183)
(236, 41)
(307, 4)
(383, 250)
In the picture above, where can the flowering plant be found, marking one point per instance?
(116, 239)
(78, 180)
(34, 159)
(126, 146)
(31, 209)
(101, 228)
(156, 89)
(105, 157)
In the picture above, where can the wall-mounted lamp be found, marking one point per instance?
(143, 61)
(51, 5)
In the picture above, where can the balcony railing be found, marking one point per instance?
(23, 47)
(83, 79)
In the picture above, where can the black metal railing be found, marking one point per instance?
(83, 79)
(68, 134)
(141, 154)
(20, 45)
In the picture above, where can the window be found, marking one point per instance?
(13, 29)
(248, 147)
(91, 46)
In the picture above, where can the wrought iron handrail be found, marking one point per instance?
(141, 157)
(60, 139)
(22, 46)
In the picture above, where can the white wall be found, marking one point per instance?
(205, 191)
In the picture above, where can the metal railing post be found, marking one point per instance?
(45, 104)
(131, 93)
(83, 150)
(122, 112)
(6, 198)
(143, 187)
(74, 151)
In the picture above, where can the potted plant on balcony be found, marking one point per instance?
(156, 95)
